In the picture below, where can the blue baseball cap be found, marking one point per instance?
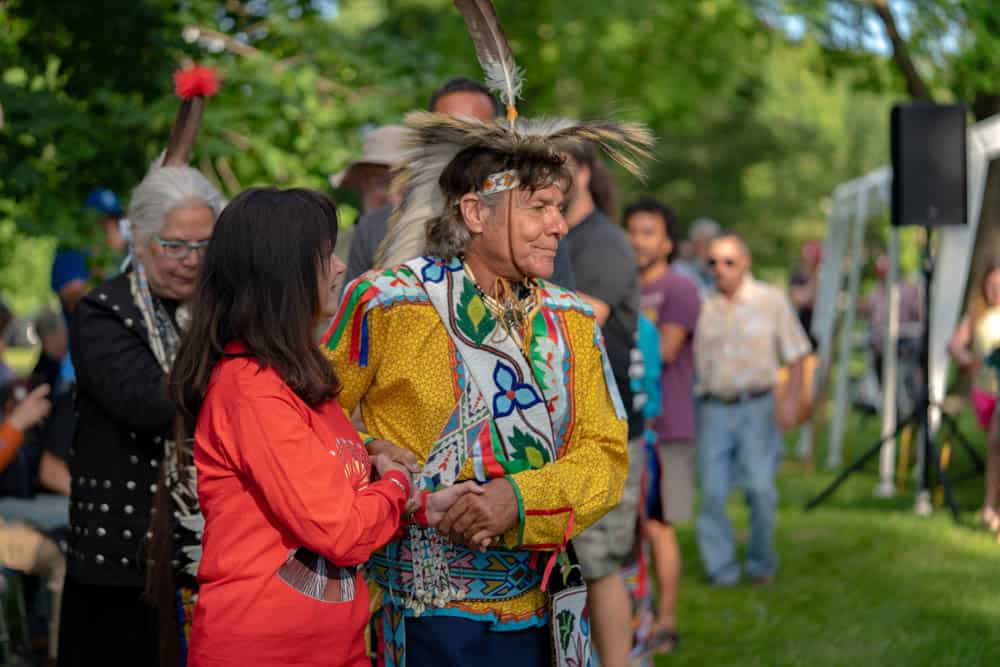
(105, 201)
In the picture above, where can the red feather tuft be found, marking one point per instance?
(196, 81)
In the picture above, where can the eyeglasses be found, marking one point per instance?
(180, 249)
(728, 261)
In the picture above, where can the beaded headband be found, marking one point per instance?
(499, 182)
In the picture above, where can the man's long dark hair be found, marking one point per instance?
(259, 285)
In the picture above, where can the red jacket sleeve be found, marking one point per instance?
(10, 441)
(306, 485)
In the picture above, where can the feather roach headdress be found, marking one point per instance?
(433, 140)
(192, 85)
(169, 176)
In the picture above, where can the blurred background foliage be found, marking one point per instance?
(761, 106)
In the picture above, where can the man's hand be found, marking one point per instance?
(477, 518)
(439, 502)
(788, 413)
(34, 408)
(403, 457)
(53, 474)
(787, 407)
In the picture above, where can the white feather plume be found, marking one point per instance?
(503, 76)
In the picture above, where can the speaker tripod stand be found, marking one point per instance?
(919, 419)
(915, 420)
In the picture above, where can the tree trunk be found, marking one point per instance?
(915, 85)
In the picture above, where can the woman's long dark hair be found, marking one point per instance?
(259, 285)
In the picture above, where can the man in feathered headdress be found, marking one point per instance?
(458, 96)
(467, 357)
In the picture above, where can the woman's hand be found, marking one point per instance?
(382, 464)
(403, 457)
(441, 501)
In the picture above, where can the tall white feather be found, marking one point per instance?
(503, 76)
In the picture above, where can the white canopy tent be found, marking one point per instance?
(855, 203)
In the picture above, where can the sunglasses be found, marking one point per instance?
(728, 261)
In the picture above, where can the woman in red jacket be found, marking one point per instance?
(283, 478)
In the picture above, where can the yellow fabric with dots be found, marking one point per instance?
(407, 393)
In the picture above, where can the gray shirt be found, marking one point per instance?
(370, 229)
(605, 268)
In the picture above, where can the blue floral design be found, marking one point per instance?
(511, 394)
(436, 268)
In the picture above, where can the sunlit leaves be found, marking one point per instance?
(754, 130)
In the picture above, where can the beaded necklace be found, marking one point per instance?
(514, 305)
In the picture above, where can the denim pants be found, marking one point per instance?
(46, 511)
(737, 446)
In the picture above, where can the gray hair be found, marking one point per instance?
(447, 235)
(738, 240)
(165, 189)
(705, 228)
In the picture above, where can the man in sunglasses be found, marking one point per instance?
(747, 330)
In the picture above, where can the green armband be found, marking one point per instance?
(520, 510)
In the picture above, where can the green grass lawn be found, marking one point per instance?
(863, 581)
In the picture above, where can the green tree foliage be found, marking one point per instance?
(79, 89)
(947, 49)
(754, 129)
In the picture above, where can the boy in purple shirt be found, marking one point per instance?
(670, 300)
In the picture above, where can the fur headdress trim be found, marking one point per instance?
(433, 140)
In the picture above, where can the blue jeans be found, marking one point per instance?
(737, 444)
(46, 511)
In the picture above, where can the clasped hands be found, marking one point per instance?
(468, 513)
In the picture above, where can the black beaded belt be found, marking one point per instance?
(751, 395)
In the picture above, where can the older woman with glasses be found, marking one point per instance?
(124, 340)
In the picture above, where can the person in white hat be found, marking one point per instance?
(371, 174)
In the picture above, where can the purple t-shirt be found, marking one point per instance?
(673, 299)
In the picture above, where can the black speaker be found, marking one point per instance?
(928, 164)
